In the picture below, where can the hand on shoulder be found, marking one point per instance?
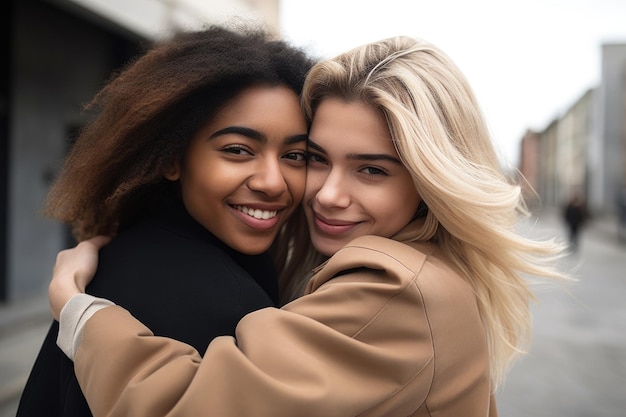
(73, 270)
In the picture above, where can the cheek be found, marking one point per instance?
(314, 182)
(409, 209)
(400, 205)
(296, 182)
(205, 180)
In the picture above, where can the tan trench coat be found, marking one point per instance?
(386, 329)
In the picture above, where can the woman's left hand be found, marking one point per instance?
(73, 270)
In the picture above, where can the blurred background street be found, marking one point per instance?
(575, 368)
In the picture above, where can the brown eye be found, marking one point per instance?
(295, 156)
(316, 158)
(237, 150)
(374, 171)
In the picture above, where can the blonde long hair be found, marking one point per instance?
(472, 208)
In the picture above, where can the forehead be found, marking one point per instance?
(262, 103)
(269, 114)
(353, 125)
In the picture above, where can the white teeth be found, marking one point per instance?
(257, 214)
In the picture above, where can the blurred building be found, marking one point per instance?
(59, 53)
(528, 164)
(585, 148)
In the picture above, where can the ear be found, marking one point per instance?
(173, 172)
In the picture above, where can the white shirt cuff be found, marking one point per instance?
(74, 315)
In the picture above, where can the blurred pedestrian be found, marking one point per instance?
(575, 215)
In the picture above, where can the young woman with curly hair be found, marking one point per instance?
(194, 160)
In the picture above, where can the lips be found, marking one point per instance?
(257, 213)
(333, 226)
(257, 218)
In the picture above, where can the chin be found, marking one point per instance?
(327, 249)
(252, 249)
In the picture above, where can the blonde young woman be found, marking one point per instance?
(420, 307)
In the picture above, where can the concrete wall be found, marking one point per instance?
(58, 63)
(62, 51)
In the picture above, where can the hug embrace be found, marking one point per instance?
(369, 191)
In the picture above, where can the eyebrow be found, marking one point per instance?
(255, 134)
(360, 156)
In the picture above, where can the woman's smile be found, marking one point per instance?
(257, 218)
(356, 184)
(244, 172)
(333, 227)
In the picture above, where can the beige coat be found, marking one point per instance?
(386, 329)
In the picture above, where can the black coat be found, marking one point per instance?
(176, 278)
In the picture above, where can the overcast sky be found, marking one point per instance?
(527, 61)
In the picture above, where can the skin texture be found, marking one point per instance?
(244, 172)
(356, 184)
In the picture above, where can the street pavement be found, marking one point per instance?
(576, 366)
(23, 326)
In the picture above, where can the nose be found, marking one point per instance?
(268, 178)
(333, 191)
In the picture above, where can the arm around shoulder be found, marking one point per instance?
(346, 348)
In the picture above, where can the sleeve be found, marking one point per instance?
(344, 349)
(74, 315)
